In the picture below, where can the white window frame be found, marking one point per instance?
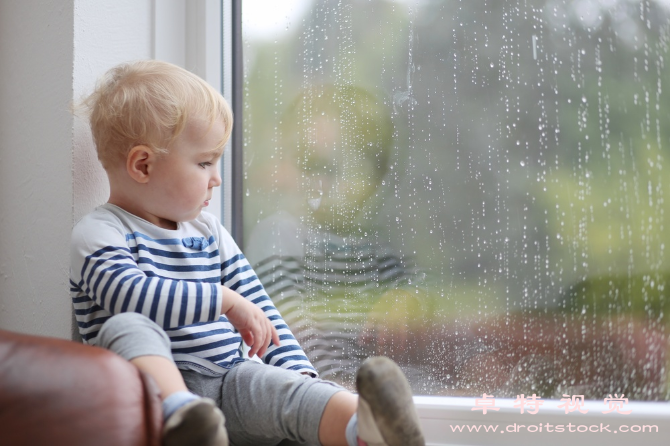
(197, 35)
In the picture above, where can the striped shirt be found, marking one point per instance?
(326, 286)
(122, 263)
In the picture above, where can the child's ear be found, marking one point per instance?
(138, 163)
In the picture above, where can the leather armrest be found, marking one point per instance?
(58, 392)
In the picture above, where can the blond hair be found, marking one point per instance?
(149, 103)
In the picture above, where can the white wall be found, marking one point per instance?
(35, 163)
(106, 33)
(51, 52)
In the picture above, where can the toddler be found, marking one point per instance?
(159, 282)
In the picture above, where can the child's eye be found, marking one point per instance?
(203, 165)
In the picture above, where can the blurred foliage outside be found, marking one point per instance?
(523, 176)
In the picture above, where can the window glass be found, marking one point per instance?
(474, 189)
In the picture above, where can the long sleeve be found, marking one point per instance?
(121, 263)
(238, 275)
(113, 272)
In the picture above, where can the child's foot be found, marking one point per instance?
(198, 423)
(386, 412)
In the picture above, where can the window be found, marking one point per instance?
(475, 189)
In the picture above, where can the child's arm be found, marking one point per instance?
(255, 328)
(238, 275)
(104, 271)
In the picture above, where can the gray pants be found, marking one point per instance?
(263, 405)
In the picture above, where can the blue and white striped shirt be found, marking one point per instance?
(122, 263)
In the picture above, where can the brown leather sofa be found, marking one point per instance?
(57, 392)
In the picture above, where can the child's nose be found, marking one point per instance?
(215, 181)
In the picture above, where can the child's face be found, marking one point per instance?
(181, 182)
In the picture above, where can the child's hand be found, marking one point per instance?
(255, 328)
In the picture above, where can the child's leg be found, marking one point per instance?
(265, 405)
(338, 413)
(163, 371)
(188, 418)
(139, 340)
(385, 413)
